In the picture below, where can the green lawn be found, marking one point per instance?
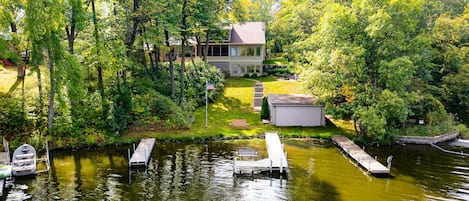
(9, 81)
(236, 103)
(276, 60)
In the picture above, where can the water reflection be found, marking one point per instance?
(204, 172)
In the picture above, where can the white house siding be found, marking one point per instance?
(295, 110)
(290, 115)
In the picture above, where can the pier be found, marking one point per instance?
(4, 160)
(276, 161)
(361, 157)
(142, 154)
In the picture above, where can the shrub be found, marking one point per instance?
(246, 75)
(14, 120)
(265, 113)
(254, 75)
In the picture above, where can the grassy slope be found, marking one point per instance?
(276, 60)
(236, 103)
(8, 79)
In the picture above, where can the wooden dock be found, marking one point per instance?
(276, 161)
(142, 154)
(361, 157)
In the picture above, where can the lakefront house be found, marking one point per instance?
(241, 52)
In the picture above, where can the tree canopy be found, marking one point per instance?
(378, 62)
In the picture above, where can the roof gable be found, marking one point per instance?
(248, 33)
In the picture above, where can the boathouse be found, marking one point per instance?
(295, 110)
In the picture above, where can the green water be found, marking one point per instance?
(190, 172)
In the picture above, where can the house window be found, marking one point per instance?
(251, 69)
(245, 51)
(216, 50)
(242, 51)
(250, 51)
(234, 51)
(224, 51)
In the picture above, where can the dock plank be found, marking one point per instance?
(143, 152)
(360, 156)
(275, 149)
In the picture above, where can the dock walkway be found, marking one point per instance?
(361, 157)
(276, 161)
(142, 154)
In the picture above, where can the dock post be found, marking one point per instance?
(389, 161)
(47, 152)
(133, 145)
(145, 155)
(270, 167)
(128, 156)
(281, 165)
(234, 165)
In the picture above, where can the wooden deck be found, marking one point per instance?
(142, 154)
(361, 157)
(276, 161)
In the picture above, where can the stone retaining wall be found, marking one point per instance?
(428, 140)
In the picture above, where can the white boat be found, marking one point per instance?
(24, 160)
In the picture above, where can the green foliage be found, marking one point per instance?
(279, 71)
(15, 123)
(154, 111)
(370, 61)
(195, 83)
(265, 111)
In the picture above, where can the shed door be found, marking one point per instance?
(298, 116)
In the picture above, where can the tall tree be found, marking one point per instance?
(43, 26)
(98, 62)
(184, 32)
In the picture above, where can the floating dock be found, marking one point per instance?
(277, 160)
(361, 157)
(142, 154)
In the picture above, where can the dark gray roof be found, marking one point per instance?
(248, 33)
(290, 99)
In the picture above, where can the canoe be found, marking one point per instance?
(24, 160)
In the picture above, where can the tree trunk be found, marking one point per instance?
(100, 70)
(144, 60)
(207, 39)
(157, 56)
(50, 112)
(132, 31)
(171, 64)
(39, 86)
(183, 55)
(152, 63)
(71, 37)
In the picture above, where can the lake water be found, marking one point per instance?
(185, 171)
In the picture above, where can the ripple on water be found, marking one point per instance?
(17, 192)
